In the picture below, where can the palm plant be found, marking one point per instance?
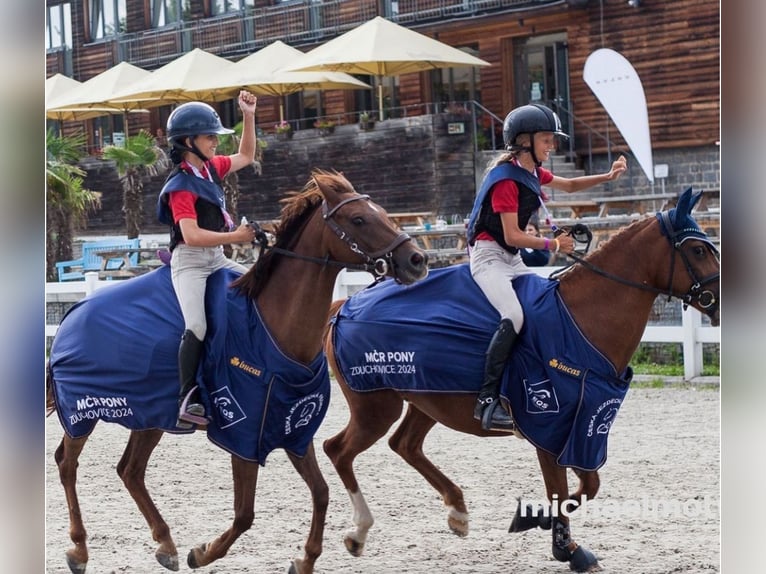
(67, 200)
(227, 145)
(141, 157)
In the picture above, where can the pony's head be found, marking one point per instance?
(329, 225)
(698, 254)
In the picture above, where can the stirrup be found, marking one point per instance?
(489, 423)
(191, 412)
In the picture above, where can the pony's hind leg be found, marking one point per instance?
(308, 467)
(371, 417)
(407, 442)
(132, 471)
(66, 457)
(245, 475)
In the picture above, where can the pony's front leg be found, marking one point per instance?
(564, 548)
(308, 467)
(132, 471)
(66, 457)
(245, 476)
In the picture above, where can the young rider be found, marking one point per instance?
(509, 194)
(192, 203)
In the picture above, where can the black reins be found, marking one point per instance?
(378, 263)
(705, 298)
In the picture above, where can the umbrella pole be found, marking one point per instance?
(380, 97)
(281, 109)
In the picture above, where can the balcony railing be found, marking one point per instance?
(301, 23)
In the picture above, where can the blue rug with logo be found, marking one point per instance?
(114, 358)
(431, 336)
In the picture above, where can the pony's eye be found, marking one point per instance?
(358, 220)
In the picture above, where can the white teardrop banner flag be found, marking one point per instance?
(617, 86)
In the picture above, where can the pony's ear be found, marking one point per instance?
(331, 183)
(686, 202)
(680, 217)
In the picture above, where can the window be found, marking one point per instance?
(457, 84)
(167, 12)
(58, 27)
(227, 6)
(107, 18)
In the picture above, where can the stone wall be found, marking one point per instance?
(406, 164)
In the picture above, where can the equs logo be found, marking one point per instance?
(541, 397)
(228, 407)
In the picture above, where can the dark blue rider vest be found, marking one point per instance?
(210, 204)
(483, 218)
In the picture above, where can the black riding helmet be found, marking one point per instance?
(189, 120)
(530, 119)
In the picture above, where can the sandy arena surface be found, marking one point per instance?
(664, 449)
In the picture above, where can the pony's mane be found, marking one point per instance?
(297, 208)
(630, 229)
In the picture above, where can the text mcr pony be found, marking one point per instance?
(264, 377)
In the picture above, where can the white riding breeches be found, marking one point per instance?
(493, 268)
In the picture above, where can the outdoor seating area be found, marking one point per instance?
(92, 259)
(110, 258)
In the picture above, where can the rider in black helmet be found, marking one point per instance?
(510, 195)
(192, 203)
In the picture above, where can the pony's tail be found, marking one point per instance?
(50, 403)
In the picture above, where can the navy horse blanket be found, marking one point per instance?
(114, 358)
(432, 336)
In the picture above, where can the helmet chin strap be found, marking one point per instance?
(538, 163)
(193, 149)
(530, 148)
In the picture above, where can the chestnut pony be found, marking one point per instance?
(324, 228)
(609, 294)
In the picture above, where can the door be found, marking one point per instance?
(541, 75)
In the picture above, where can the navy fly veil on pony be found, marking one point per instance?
(114, 358)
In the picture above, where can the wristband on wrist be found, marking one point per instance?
(558, 245)
(547, 244)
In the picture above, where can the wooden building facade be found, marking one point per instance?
(537, 49)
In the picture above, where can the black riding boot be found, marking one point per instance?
(191, 410)
(488, 408)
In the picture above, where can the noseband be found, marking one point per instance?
(378, 262)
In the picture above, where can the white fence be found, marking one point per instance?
(691, 333)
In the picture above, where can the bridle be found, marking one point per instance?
(705, 298)
(378, 262)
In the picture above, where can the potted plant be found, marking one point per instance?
(325, 126)
(366, 121)
(283, 130)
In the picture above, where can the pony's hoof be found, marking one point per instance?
(354, 547)
(583, 560)
(458, 524)
(169, 561)
(192, 560)
(75, 566)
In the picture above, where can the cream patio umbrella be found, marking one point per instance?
(170, 83)
(92, 98)
(380, 47)
(57, 88)
(261, 73)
